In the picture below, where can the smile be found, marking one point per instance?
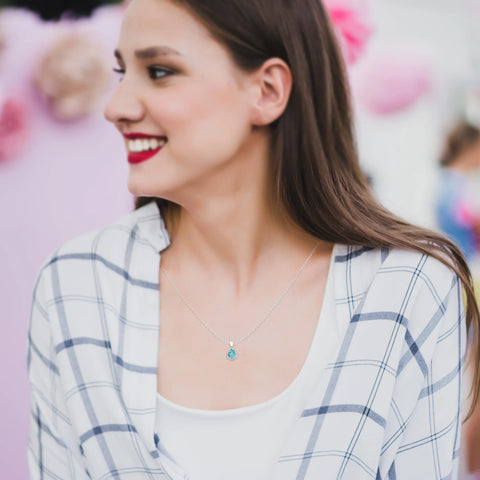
(141, 147)
(145, 144)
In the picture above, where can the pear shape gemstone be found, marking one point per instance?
(232, 354)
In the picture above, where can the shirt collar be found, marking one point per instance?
(151, 226)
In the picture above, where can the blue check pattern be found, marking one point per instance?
(388, 405)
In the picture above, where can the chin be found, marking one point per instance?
(141, 189)
(140, 186)
(135, 189)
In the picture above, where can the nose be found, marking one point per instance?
(124, 106)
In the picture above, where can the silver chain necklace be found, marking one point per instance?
(232, 352)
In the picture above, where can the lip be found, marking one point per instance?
(134, 135)
(139, 157)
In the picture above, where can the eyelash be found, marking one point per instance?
(151, 72)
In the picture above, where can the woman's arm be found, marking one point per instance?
(53, 450)
(423, 442)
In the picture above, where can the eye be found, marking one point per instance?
(156, 73)
(120, 71)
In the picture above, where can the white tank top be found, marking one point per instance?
(243, 443)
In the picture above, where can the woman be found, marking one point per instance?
(258, 316)
(458, 203)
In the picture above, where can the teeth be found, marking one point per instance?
(144, 144)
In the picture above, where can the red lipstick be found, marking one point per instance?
(138, 157)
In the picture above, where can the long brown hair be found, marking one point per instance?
(315, 169)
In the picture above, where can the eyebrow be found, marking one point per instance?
(150, 52)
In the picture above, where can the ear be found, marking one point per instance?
(272, 87)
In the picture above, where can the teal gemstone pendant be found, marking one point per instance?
(232, 353)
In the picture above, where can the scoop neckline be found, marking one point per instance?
(328, 294)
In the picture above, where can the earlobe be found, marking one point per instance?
(273, 82)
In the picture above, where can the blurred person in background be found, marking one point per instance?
(259, 315)
(458, 215)
(458, 204)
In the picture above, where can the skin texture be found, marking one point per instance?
(233, 252)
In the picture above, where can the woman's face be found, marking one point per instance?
(181, 104)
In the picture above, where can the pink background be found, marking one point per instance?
(69, 178)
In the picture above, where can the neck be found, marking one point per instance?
(230, 227)
(235, 238)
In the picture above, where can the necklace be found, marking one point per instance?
(232, 352)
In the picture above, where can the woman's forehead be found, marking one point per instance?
(148, 23)
(158, 14)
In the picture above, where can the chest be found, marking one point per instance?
(193, 367)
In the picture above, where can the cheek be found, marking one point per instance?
(205, 130)
(206, 119)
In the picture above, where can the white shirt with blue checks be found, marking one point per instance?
(387, 407)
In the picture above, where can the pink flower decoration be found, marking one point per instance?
(73, 75)
(13, 127)
(353, 25)
(394, 80)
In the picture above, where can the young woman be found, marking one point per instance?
(458, 202)
(259, 316)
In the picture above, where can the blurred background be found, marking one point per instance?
(414, 67)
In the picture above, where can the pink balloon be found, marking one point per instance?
(391, 81)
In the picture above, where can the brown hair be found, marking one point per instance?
(461, 138)
(315, 170)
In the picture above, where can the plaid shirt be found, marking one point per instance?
(388, 406)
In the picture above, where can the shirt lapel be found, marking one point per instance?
(140, 339)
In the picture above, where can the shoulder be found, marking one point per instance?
(363, 265)
(143, 226)
(408, 283)
(116, 247)
(419, 274)
(403, 299)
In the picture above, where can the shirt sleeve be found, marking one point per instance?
(423, 442)
(53, 450)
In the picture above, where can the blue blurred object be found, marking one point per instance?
(453, 186)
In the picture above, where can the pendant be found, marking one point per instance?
(232, 353)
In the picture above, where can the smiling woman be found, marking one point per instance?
(259, 315)
(187, 90)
